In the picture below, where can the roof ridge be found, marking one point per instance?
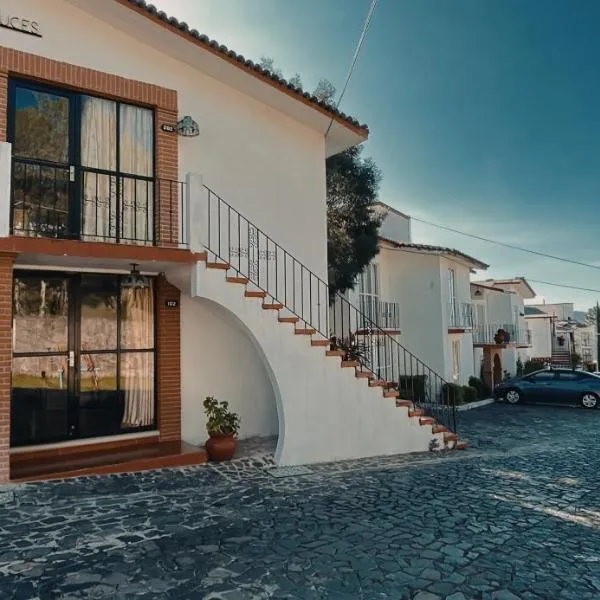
(245, 63)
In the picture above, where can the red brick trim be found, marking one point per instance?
(169, 361)
(6, 278)
(163, 100)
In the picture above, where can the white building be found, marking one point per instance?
(127, 137)
(501, 335)
(426, 289)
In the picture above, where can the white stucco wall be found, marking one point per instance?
(324, 412)
(218, 359)
(541, 337)
(264, 163)
(395, 226)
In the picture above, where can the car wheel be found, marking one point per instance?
(513, 396)
(589, 400)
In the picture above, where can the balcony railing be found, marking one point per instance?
(460, 315)
(92, 205)
(385, 315)
(498, 333)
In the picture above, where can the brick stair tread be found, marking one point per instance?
(272, 306)
(218, 265)
(242, 280)
(305, 331)
(346, 364)
(319, 343)
(289, 319)
(255, 294)
(391, 394)
(339, 353)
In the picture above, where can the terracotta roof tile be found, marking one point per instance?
(244, 63)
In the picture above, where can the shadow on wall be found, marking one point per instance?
(220, 358)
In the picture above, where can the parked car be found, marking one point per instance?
(552, 385)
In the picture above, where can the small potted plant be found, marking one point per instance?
(222, 426)
(500, 337)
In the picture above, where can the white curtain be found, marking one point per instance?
(101, 192)
(136, 138)
(137, 368)
(99, 151)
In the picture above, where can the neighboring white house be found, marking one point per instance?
(425, 289)
(542, 327)
(164, 149)
(501, 336)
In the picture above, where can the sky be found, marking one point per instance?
(484, 114)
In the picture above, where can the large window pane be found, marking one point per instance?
(137, 384)
(99, 296)
(40, 314)
(98, 133)
(41, 126)
(39, 405)
(136, 140)
(137, 318)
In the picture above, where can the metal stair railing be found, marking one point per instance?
(231, 238)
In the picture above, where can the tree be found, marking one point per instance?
(352, 188)
(352, 225)
(590, 318)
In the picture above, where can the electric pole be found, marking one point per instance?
(597, 336)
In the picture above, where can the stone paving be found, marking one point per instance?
(517, 516)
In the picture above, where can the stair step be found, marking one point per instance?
(450, 437)
(201, 256)
(218, 265)
(426, 421)
(289, 319)
(364, 375)
(462, 445)
(347, 364)
(255, 294)
(405, 404)
(305, 331)
(391, 394)
(377, 383)
(439, 429)
(273, 306)
(320, 343)
(416, 412)
(242, 280)
(339, 353)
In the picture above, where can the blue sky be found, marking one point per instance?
(484, 114)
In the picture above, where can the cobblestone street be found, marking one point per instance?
(515, 516)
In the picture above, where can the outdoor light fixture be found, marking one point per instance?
(135, 280)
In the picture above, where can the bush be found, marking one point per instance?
(453, 394)
(413, 387)
(534, 364)
(520, 367)
(483, 389)
(470, 394)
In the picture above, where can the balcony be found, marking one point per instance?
(460, 317)
(501, 335)
(382, 314)
(49, 201)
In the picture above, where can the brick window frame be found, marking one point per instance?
(14, 63)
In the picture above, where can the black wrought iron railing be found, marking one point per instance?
(231, 238)
(95, 205)
(500, 334)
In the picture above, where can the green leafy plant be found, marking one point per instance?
(470, 394)
(483, 390)
(535, 364)
(352, 349)
(520, 367)
(575, 360)
(506, 375)
(220, 421)
(453, 394)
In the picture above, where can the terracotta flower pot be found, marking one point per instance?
(221, 447)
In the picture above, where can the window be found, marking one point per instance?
(452, 296)
(368, 291)
(566, 376)
(456, 360)
(544, 376)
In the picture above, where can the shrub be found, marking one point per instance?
(520, 367)
(219, 419)
(413, 387)
(470, 394)
(483, 389)
(453, 394)
(535, 364)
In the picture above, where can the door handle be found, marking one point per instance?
(71, 173)
(71, 358)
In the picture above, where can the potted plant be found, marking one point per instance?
(500, 337)
(222, 426)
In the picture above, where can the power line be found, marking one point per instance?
(506, 245)
(359, 46)
(562, 285)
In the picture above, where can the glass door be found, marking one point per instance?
(83, 357)
(42, 373)
(41, 129)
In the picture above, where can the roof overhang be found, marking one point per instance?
(177, 41)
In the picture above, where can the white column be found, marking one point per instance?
(5, 183)
(195, 221)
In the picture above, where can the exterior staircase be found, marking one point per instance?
(344, 387)
(561, 357)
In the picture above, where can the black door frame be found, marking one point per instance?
(76, 170)
(74, 295)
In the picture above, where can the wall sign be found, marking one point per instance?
(171, 303)
(20, 24)
(168, 128)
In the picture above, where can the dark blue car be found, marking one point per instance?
(563, 386)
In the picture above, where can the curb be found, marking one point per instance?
(477, 404)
